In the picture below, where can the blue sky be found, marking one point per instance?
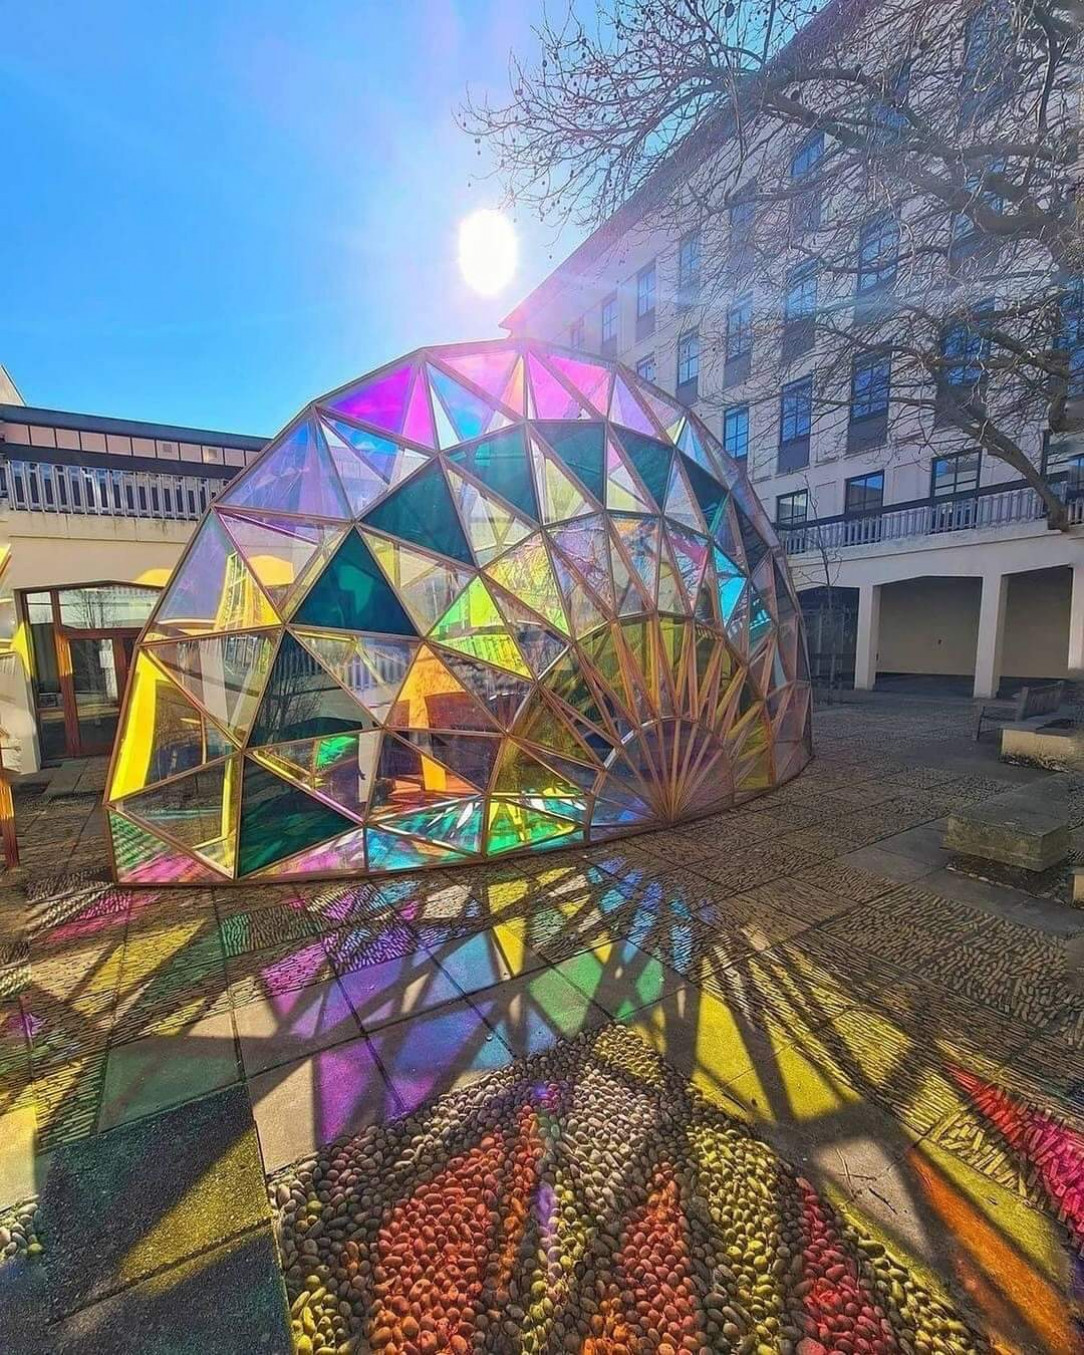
(215, 211)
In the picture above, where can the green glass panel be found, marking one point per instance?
(278, 820)
(514, 825)
(474, 626)
(708, 491)
(353, 594)
(651, 459)
(389, 851)
(338, 767)
(302, 700)
(582, 447)
(501, 693)
(458, 825)
(422, 513)
(501, 464)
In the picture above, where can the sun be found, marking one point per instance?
(487, 251)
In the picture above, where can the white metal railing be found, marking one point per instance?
(45, 487)
(977, 511)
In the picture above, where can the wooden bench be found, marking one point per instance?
(1029, 701)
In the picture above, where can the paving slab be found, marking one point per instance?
(533, 1012)
(149, 1075)
(286, 1026)
(229, 1301)
(486, 958)
(620, 977)
(888, 865)
(300, 1106)
(119, 1207)
(398, 989)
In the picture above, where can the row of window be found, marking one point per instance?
(646, 289)
(862, 494)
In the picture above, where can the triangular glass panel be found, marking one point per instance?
(626, 410)
(567, 681)
(784, 602)
(426, 587)
(368, 464)
(708, 491)
(474, 626)
(640, 537)
(224, 674)
(470, 756)
(380, 400)
(512, 826)
(491, 527)
(691, 557)
(586, 544)
(294, 475)
(501, 464)
(760, 620)
(582, 448)
(341, 855)
(301, 700)
(580, 606)
(279, 819)
(694, 447)
(421, 512)
(623, 491)
(143, 859)
(514, 396)
(543, 725)
(372, 668)
(672, 596)
(589, 379)
(432, 697)
(198, 811)
(755, 547)
(628, 597)
(445, 429)
(285, 554)
(457, 825)
(539, 645)
(169, 734)
(558, 494)
(669, 416)
(386, 851)
(353, 594)
(487, 368)
(501, 692)
(213, 589)
(337, 767)
(679, 501)
(652, 461)
(737, 622)
(525, 572)
(550, 398)
(469, 413)
(522, 776)
(418, 420)
(406, 780)
(726, 533)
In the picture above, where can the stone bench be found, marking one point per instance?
(1027, 827)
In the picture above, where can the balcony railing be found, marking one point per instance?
(45, 487)
(962, 512)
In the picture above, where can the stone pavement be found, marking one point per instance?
(910, 1040)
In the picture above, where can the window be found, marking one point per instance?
(739, 329)
(1071, 340)
(987, 74)
(645, 301)
(795, 424)
(688, 268)
(645, 368)
(864, 494)
(792, 510)
(1068, 460)
(889, 119)
(575, 334)
(954, 474)
(645, 290)
(807, 156)
(800, 299)
(966, 235)
(878, 250)
(736, 432)
(688, 364)
(609, 326)
(871, 378)
(742, 221)
(965, 348)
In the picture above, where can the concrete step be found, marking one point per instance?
(1027, 827)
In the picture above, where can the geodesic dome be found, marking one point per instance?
(493, 597)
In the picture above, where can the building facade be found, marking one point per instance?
(94, 514)
(918, 558)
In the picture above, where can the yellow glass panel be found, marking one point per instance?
(433, 698)
(163, 732)
(526, 573)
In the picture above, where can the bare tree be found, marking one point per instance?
(899, 176)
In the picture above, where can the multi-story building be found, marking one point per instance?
(94, 514)
(917, 557)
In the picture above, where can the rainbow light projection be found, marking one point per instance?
(492, 597)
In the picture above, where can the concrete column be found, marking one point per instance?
(869, 626)
(1076, 624)
(995, 589)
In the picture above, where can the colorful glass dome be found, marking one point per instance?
(494, 597)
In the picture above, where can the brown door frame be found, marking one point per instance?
(62, 636)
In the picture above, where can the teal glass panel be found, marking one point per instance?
(468, 412)
(278, 819)
(353, 594)
(458, 825)
(501, 463)
(708, 491)
(651, 459)
(421, 512)
(582, 447)
(302, 700)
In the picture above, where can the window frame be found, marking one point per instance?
(608, 315)
(955, 491)
(793, 451)
(967, 358)
(647, 358)
(577, 335)
(877, 272)
(739, 338)
(799, 276)
(792, 522)
(688, 337)
(850, 511)
(870, 361)
(734, 413)
(644, 275)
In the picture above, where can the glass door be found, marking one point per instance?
(98, 670)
